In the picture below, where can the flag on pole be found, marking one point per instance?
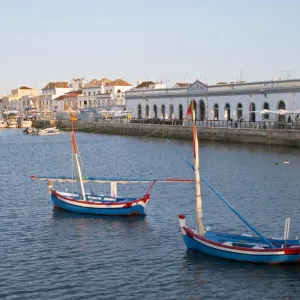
(190, 110)
(73, 118)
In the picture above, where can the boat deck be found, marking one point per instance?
(97, 198)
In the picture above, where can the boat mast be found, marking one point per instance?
(199, 213)
(76, 158)
(78, 165)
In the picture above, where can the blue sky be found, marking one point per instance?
(174, 40)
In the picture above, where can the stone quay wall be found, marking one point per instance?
(280, 137)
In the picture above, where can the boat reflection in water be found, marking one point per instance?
(59, 213)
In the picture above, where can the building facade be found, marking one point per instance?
(14, 101)
(236, 101)
(91, 91)
(67, 101)
(104, 94)
(52, 91)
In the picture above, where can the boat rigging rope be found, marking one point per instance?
(150, 133)
(223, 199)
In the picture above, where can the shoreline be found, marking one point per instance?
(271, 137)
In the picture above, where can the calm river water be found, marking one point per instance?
(50, 254)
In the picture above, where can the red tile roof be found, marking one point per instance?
(73, 94)
(145, 84)
(119, 82)
(180, 84)
(69, 95)
(97, 83)
(58, 84)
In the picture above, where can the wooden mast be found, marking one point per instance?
(73, 119)
(199, 213)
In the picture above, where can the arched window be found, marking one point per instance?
(201, 110)
(266, 106)
(171, 111)
(139, 111)
(281, 105)
(163, 111)
(147, 111)
(216, 112)
(239, 111)
(155, 111)
(180, 112)
(252, 112)
(227, 112)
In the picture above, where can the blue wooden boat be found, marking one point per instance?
(112, 205)
(246, 248)
(88, 203)
(99, 205)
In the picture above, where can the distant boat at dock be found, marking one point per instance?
(3, 123)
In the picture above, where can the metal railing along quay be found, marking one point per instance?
(216, 124)
(263, 125)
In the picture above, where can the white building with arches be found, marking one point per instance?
(218, 102)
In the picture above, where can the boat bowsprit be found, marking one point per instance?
(102, 204)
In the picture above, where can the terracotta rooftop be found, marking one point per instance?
(180, 84)
(97, 83)
(23, 87)
(119, 82)
(73, 94)
(58, 84)
(69, 95)
(145, 84)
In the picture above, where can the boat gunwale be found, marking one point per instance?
(294, 250)
(143, 199)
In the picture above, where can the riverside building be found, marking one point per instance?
(223, 101)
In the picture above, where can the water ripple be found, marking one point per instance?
(52, 254)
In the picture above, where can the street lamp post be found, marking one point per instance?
(294, 106)
(206, 108)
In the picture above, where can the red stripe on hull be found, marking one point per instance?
(144, 199)
(288, 251)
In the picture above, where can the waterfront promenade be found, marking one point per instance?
(237, 132)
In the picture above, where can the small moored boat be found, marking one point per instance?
(48, 131)
(87, 203)
(3, 123)
(25, 123)
(239, 247)
(12, 123)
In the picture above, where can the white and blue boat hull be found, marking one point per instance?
(255, 253)
(117, 208)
